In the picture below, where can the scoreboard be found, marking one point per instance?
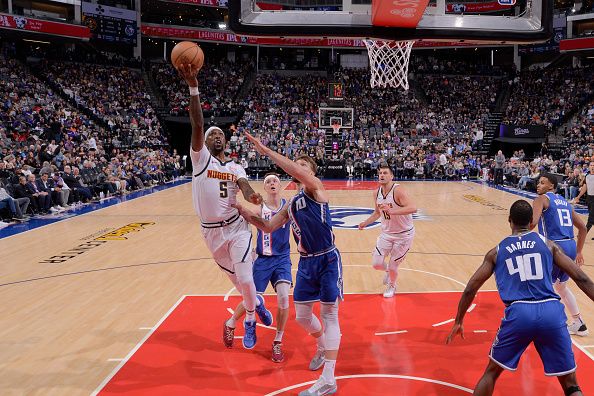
(336, 91)
(111, 24)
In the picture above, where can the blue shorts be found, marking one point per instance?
(542, 323)
(569, 247)
(319, 278)
(273, 269)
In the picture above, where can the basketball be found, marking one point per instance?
(187, 52)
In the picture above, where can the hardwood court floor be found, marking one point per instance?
(79, 295)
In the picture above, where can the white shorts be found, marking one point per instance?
(395, 246)
(230, 245)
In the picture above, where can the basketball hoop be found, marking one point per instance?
(335, 129)
(388, 61)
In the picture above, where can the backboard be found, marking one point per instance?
(496, 21)
(329, 116)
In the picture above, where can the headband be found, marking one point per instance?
(209, 130)
(269, 176)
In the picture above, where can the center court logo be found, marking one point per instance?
(349, 217)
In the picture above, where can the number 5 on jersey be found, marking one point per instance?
(224, 193)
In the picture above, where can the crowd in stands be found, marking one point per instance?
(116, 95)
(548, 97)
(84, 131)
(220, 82)
(52, 155)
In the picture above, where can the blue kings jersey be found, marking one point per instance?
(277, 242)
(556, 222)
(523, 268)
(311, 223)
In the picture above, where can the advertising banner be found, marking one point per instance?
(41, 26)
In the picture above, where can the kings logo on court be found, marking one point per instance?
(349, 217)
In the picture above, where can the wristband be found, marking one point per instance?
(194, 91)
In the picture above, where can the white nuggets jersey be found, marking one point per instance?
(214, 186)
(394, 224)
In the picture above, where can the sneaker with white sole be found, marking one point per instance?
(320, 387)
(249, 337)
(390, 290)
(578, 328)
(318, 360)
(264, 314)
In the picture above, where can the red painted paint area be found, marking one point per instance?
(343, 185)
(185, 355)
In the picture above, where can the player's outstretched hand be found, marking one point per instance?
(258, 145)
(188, 72)
(362, 225)
(457, 329)
(579, 259)
(244, 212)
(256, 198)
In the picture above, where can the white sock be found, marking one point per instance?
(321, 343)
(231, 322)
(258, 303)
(279, 336)
(250, 316)
(328, 372)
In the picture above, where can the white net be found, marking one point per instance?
(388, 61)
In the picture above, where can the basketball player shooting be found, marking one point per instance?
(319, 274)
(216, 181)
(395, 208)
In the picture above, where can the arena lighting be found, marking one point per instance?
(37, 41)
(222, 25)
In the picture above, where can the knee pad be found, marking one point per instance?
(306, 319)
(282, 295)
(378, 262)
(332, 327)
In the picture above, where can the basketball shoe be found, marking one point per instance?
(390, 290)
(264, 314)
(317, 361)
(319, 388)
(277, 352)
(249, 338)
(578, 328)
(228, 334)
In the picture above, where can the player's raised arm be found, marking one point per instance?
(537, 208)
(570, 268)
(581, 236)
(309, 181)
(373, 217)
(188, 73)
(406, 205)
(481, 275)
(267, 226)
